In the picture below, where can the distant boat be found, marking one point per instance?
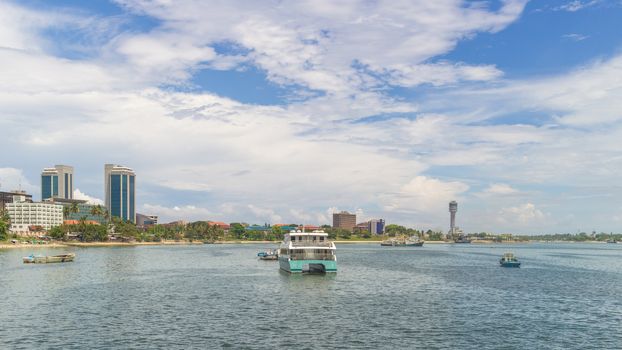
(612, 241)
(462, 239)
(39, 259)
(509, 260)
(269, 255)
(402, 242)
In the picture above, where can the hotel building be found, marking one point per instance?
(344, 220)
(120, 191)
(57, 182)
(24, 215)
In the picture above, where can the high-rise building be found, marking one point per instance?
(57, 182)
(376, 227)
(120, 191)
(344, 220)
(453, 208)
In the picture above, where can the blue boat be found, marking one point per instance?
(268, 255)
(509, 260)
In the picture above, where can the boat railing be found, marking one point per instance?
(312, 257)
(311, 244)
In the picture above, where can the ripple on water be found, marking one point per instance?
(436, 296)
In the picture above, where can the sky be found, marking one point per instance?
(287, 111)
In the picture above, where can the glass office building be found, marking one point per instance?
(120, 191)
(57, 182)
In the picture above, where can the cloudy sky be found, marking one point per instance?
(285, 111)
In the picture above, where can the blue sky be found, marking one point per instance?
(286, 111)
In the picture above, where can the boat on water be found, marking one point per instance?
(509, 260)
(271, 254)
(402, 242)
(40, 259)
(613, 241)
(307, 252)
(462, 239)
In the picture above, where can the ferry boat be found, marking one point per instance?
(509, 260)
(307, 252)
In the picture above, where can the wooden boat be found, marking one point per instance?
(509, 260)
(39, 259)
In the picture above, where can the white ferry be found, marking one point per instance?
(308, 252)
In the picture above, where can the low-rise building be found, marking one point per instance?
(85, 210)
(25, 214)
(13, 197)
(146, 220)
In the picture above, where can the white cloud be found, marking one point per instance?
(576, 5)
(524, 215)
(77, 194)
(575, 36)
(499, 190)
(426, 195)
(14, 179)
(184, 212)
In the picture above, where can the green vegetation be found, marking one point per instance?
(578, 237)
(4, 225)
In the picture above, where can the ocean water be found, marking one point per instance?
(565, 296)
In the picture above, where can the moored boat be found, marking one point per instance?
(307, 252)
(509, 260)
(40, 259)
(271, 254)
(402, 242)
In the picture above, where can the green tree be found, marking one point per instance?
(237, 230)
(66, 211)
(4, 230)
(57, 232)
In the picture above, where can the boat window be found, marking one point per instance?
(321, 239)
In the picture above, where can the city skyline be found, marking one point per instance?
(511, 108)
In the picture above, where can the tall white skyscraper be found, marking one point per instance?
(57, 182)
(120, 191)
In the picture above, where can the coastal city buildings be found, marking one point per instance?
(120, 191)
(78, 209)
(344, 220)
(57, 182)
(26, 216)
(376, 226)
(143, 220)
(14, 196)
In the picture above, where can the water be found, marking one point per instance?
(565, 296)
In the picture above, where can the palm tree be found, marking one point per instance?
(66, 211)
(74, 208)
(97, 211)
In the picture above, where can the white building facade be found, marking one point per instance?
(25, 214)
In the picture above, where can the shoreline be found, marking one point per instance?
(186, 243)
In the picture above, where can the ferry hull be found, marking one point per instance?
(300, 266)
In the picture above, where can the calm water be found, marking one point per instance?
(220, 296)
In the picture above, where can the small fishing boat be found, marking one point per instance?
(509, 260)
(269, 255)
(40, 259)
